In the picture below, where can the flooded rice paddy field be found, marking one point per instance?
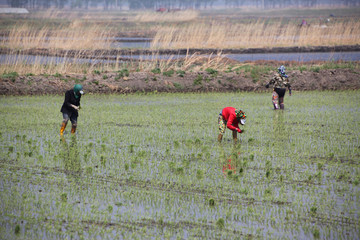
(149, 166)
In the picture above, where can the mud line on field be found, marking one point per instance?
(122, 124)
(337, 159)
(147, 186)
(165, 187)
(332, 219)
(129, 225)
(320, 218)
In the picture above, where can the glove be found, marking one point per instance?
(239, 130)
(267, 85)
(75, 107)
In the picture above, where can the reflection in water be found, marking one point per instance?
(229, 167)
(70, 155)
(300, 57)
(231, 162)
(281, 133)
(278, 123)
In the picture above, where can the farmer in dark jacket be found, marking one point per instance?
(71, 107)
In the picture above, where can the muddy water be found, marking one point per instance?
(117, 180)
(299, 57)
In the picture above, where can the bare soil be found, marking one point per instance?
(202, 81)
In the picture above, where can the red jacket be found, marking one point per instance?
(229, 116)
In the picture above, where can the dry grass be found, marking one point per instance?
(73, 36)
(87, 31)
(194, 62)
(255, 35)
(39, 67)
(173, 16)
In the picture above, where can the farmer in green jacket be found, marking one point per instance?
(280, 81)
(71, 107)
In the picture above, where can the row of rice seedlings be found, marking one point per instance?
(257, 183)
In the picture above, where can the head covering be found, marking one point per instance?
(241, 115)
(78, 90)
(281, 70)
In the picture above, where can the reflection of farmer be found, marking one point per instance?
(230, 117)
(280, 81)
(229, 167)
(70, 154)
(231, 162)
(71, 107)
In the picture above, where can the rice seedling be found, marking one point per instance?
(126, 176)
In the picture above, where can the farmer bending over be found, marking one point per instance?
(230, 117)
(71, 107)
(279, 82)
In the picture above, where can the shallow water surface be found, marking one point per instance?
(150, 166)
(299, 57)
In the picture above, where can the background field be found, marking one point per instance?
(214, 28)
(150, 166)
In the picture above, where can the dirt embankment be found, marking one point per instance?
(112, 82)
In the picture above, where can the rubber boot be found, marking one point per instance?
(235, 137)
(73, 129)
(62, 129)
(220, 137)
(281, 101)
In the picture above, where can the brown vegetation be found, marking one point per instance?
(77, 35)
(257, 34)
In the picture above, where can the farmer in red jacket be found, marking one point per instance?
(230, 118)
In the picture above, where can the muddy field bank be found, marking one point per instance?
(113, 82)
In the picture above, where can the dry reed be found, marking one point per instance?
(73, 36)
(194, 62)
(255, 35)
(76, 65)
